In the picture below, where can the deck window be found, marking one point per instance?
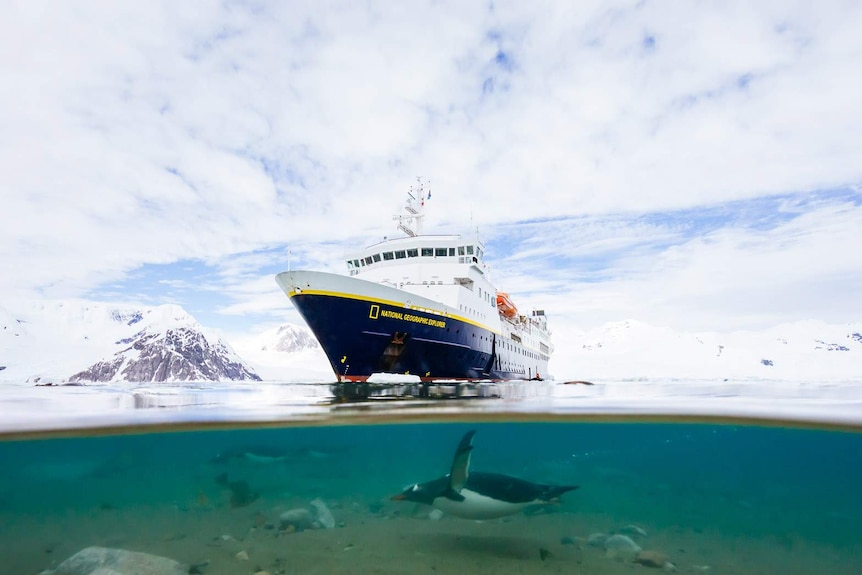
(412, 253)
(388, 256)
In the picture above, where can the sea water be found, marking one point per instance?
(209, 486)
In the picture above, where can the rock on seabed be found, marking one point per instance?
(296, 519)
(597, 539)
(654, 559)
(322, 514)
(621, 547)
(107, 561)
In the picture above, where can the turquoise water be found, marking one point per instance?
(711, 497)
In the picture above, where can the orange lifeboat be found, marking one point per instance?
(505, 305)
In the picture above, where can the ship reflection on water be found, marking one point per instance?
(347, 392)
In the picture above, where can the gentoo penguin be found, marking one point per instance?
(477, 495)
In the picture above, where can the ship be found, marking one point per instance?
(422, 306)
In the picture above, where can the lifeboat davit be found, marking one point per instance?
(505, 305)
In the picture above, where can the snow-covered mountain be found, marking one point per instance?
(286, 353)
(287, 338)
(85, 341)
(799, 351)
(61, 341)
(177, 354)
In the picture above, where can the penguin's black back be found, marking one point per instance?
(512, 489)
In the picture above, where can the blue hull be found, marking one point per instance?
(361, 338)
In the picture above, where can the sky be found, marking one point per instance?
(690, 164)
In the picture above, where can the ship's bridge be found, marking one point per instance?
(447, 268)
(443, 249)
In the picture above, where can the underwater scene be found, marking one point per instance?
(563, 495)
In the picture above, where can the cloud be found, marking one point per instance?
(588, 138)
(744, 275)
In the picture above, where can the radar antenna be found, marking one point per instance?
(411, 222)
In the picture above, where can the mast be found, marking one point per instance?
(411, 222)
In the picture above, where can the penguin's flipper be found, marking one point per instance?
(460, 466)
(453, 495)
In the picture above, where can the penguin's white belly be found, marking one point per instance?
(477, 506)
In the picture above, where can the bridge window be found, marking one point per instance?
(440, 252)
(460, 250)
(427, 252)
(469, 250)
(412, 253)
(376, 257)
(368, 260)
(388, 256)
(400, 255)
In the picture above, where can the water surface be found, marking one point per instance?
(721, 493)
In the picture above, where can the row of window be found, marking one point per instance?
(414, 253)
(520, 350)
(488, 297)
(504, 344)
(470, 311)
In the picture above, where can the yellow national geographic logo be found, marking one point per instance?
(375, 312)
